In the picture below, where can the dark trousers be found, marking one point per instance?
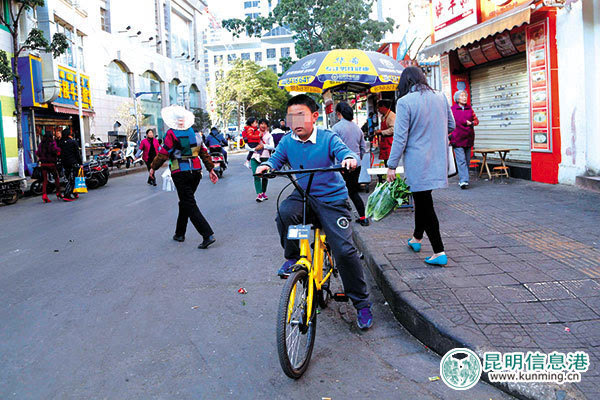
(426, 220)
(335, 219)
(70, 173)
(186, 183)
(351, 178)
(151, 181)
(50, 169)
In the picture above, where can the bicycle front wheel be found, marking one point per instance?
(295, 334)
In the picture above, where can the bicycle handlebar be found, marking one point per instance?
(273, 174)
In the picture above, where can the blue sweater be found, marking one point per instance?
(326, 186)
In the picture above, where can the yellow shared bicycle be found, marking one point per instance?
(307, 288)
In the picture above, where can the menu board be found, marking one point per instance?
(477, 54)
(445, 74)
(539, 86)
(488, 47)
(465, 57)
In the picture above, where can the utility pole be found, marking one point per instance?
(78, 71)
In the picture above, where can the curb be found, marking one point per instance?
(433, 329)
(114, 173)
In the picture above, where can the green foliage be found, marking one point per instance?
(320, 25)
(286, 63)
(386, 197)
(6, 72)
(201, 120)
(252, 89)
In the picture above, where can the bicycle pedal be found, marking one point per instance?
(340, 297)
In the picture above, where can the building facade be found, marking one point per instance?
(506, 55)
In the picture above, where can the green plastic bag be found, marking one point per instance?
(372, 200)
(386, 197)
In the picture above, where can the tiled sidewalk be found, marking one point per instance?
(524, 274)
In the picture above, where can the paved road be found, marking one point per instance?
(97, 301)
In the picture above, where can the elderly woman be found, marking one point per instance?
(463, 136)
(423, 121)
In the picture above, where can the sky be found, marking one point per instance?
(222, 8)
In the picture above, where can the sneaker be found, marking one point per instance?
(286, 269)
(207, 242)
(463, 185)
(179, 238)
(247, 164)
(259, 198)
(364, 318)
(265, 197)
(364, 221)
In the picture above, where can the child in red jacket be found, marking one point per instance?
(251, 136)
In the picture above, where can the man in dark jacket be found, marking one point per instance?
(71, 160)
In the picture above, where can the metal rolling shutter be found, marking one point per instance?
(500, 98)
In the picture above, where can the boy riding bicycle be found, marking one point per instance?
(309, 147)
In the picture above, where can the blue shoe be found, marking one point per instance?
(439, 260)
(286, 269)
(416, 247)
(364, 318)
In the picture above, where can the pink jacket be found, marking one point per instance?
(145, 148)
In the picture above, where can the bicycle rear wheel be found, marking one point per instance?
(295, 335)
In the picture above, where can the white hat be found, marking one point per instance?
(177, 117)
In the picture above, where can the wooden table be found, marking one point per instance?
(502, 152)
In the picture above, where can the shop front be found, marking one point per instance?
(505, 58)
(56, 116)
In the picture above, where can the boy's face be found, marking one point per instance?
(263, 127)
(301, 120)
(254, 124)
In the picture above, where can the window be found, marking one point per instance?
(194, 97)
(174, 92)
(105, 15)
(181, 34)
(247, 4)
(258, 56)
(75, 45)
(245, 56)
(252, 15)
(285, 52)
(149, 82)
(231, 58)
(273, 67)
(271, 53)
(118, 84)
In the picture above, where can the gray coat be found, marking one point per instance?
(351, 135)
(423, 122)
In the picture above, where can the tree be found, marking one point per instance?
(125, 115)
(201, 120)
(319, 25)
(249, 90)
(35, 41)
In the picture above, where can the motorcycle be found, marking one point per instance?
(94, 175)
(10, 189)
(130, 155)
(38, 180)
(218, 159)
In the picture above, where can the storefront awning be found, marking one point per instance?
(509, 20)
(61, 108)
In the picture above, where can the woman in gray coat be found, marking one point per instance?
(423, 121)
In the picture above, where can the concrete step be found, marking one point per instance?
(588, 182)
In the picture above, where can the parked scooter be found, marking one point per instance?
(130, 155)
(94, 175)
(10, 189)
(218, 159)
(37, 185)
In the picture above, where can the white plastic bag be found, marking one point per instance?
(167, 181)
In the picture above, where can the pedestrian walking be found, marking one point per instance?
(423, 121)
(149, 148)
(310, 147)
(353, 137)
(385, 134)
(463, 136)
(184, 150)
(70, 157)
(262, 152)
(48, 153)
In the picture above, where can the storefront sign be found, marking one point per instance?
(451, 16)
(445, 74)
(68, 91)
(492, 8)
(539, 86)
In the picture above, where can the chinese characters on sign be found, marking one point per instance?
(539, 87)
(451, 16)
(68, 89)
(493, 8)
